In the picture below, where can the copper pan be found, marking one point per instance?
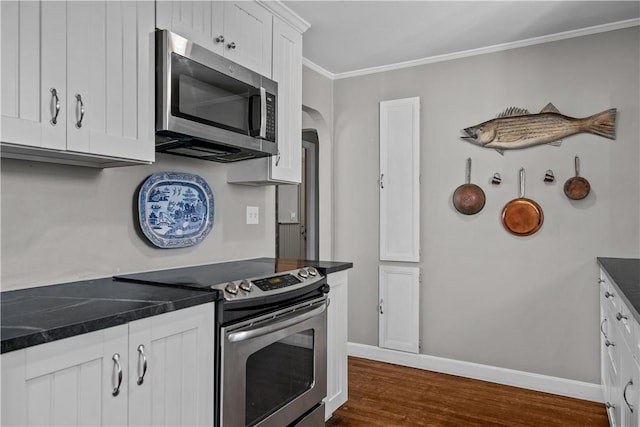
(468, 198)
(522, 216)
(577, 188)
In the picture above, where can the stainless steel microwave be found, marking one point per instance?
(209, 107)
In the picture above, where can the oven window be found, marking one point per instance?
(207, 96)
(277, 374)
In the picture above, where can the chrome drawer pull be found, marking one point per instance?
(81, 104)
(144, 364)
(620, 316)
(54, 95)
(608, 295)
(116, 361)
(609, 343)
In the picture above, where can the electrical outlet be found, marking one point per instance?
(253, 215)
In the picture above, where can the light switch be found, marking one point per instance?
(253, 215)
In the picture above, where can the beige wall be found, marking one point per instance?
(488, 297)
(65, 223)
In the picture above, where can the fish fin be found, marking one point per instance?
(604, 124)
(514, 111)
(550, 108)
(500, 151)
(557, 143)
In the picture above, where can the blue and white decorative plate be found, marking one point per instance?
(176, 209)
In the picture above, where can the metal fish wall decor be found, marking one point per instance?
(516, 128)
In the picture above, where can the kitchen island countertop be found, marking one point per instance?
(625, 277)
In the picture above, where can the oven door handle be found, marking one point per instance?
(277, 324)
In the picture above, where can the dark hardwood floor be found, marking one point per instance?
(382, 394)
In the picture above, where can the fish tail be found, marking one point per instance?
(603, 124)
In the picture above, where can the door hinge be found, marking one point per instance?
(420, 277)
(420, 179)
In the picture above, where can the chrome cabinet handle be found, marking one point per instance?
(54, 95)
(231, 45)
(609, 405)
(381, 181)
(600, 280)
(608, 295)
(278, 158)
(144, 364)
(380, 306)
(601, 328)
(81, 104)
(219, 39)
(116, 361)
(620, 316)
(328, 302)
(609, 343)
(624, 395)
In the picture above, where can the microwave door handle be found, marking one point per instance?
(277, 324)
(263, 113)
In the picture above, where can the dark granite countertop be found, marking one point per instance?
(625, 277)
(39, 315)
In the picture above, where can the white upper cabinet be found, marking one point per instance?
(76, 82)
(238, 30)
(286, 166)
(400, 180)
(32, 95)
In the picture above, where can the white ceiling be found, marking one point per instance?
(354, 37)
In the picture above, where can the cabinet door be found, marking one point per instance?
(33, 63)
(629, 389)
(248, 35)
(67, 382)
(286, 166)
(177, 388)
(398, 327)
(197, 21)
(337, 321)
(110, 92)
(400, 180)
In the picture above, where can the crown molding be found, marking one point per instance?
(480, 51)
(279, 9)
(318, 69)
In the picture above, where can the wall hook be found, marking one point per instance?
(548, 176)
(496, 180)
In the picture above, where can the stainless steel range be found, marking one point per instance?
(271, 343)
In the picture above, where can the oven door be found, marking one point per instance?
(274, 368)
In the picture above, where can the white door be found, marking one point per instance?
(67, 382)
(248, 35)
(337, 328)
(33, 73)
(177, 388)
(400, 180)
(399, 316)
(110, 92)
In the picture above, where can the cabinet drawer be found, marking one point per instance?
(608, 294)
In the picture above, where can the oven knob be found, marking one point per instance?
(246, 286)
(312, 271)
(232, 288)
(303, 273)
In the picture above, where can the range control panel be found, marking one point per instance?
(261, 286)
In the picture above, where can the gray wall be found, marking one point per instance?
(65, 223)
(488, 297)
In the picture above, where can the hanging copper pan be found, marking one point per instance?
(522, 216)
(468, 198)
(577, 188)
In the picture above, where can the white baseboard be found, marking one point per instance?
(544, 383)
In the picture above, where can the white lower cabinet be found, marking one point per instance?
(100, 378)
(399, 308)
(337, 320)
(620, 371)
